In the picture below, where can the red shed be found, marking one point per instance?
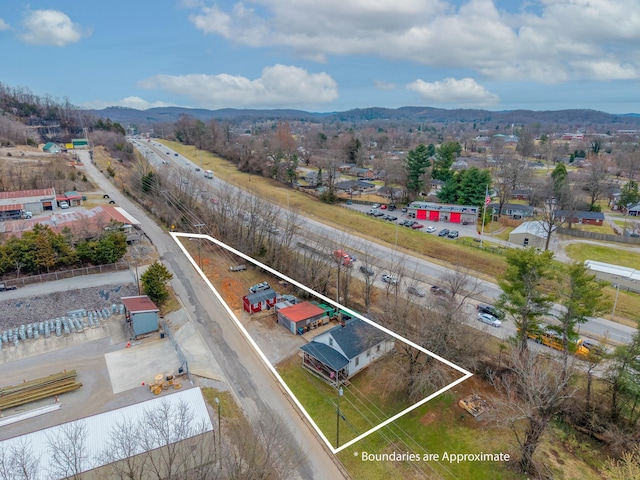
(255, 302)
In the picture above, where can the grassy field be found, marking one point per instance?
(438, 427)
(603, 253)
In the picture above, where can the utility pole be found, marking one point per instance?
(340, 391)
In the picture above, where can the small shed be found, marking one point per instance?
(256, 302)
(51, 147)
(302, 317)
(141, 313)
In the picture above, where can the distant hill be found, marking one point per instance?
(570, 118)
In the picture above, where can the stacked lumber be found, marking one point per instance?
(38, 389)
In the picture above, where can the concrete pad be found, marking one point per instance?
(201, 361)
(140, 362)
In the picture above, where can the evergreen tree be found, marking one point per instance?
(154, 281)
(445, 155)
(416, 163)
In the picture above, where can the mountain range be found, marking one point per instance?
(577, 118)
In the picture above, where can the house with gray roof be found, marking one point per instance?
(511, 210)
(341, 352)
(584, 217)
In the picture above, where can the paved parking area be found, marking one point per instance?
(465, 230)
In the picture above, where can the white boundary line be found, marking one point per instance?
(267, 363)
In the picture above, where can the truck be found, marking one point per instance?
(208, 174)
(343, 258)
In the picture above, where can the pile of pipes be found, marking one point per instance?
(38, 389)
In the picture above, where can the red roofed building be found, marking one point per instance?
(302, 317)
(35, 201)
(141, 313)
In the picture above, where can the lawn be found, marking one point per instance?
(602, 253)
(435, 428)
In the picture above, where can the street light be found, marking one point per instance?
(338, 418)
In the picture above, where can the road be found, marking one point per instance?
(250, 382)
(389, 259)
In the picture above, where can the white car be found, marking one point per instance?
(489, 320)
(389, 279)
(430, 229)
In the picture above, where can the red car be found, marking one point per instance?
(383, 207)
(416, 226)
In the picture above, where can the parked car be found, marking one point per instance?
(391, 218)
(238, 268)
(383, 207)
(392, 207)
(367, 270)
(431, 229)
(259, 287)
(439, 291)
(453, 234)
(415, 291)
(404, 210)
(372, 211)
(375, 205)
(410, 223)
(444, 232)
(64, 204)
(389, 279)
(489, 320)
(417, 225)
(378, 214)
(490, 310)
(175, 154)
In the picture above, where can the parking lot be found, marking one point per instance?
(427, 226)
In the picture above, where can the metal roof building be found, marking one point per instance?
(622, 277)
(99, 427)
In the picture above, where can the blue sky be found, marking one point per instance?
(326, 55)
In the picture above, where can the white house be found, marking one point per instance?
(339, 353)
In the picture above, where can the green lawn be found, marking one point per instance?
(602, 253)
(435, 428)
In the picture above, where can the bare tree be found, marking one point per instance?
(122, 451)
(596, 180)
(262, 451)
(19, 462)
(68, 450)
(510, 173)
(532, 392)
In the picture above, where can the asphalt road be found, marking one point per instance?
(253, 386)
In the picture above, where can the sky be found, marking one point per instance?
(326, 55)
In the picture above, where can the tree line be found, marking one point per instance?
(42, 250)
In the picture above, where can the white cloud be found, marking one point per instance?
(280, 86)
(50, 27)
(382, 85)
(3, 25)
(464, 92)
(552, 43)
(130, 102)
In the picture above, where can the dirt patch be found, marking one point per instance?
(429, 418)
